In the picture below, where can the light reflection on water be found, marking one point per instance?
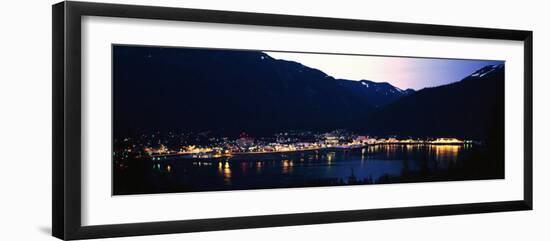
(368, 165)
(225, 171)
(446, 152)
(364, 165)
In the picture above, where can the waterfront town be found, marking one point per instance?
(201, 145)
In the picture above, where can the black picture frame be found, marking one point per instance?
(66, 47)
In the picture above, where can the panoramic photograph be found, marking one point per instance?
(203, 119)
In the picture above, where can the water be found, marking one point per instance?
(368, 165)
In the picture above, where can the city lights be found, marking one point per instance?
(244, 144)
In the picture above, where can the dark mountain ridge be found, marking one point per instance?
(234, 91)
(229, 92)
(470, 108)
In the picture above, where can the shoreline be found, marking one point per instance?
(342, 148)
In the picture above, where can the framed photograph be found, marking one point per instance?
(170, 120)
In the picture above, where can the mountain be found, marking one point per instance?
(376, 94)
(470, 108)
(228, 92)
(186, 89)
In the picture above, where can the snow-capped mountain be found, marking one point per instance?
(487, 70)
(378, 94)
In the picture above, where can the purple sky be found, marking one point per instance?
(402, 72)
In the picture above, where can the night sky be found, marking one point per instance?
(402, 72)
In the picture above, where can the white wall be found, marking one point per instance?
(25, 105)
